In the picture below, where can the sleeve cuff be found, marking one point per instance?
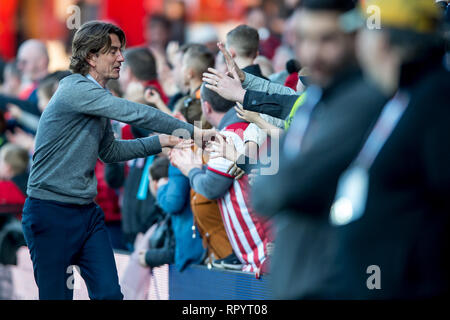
(194, 172)
(247, 80)
(245, 103)
(152, 145)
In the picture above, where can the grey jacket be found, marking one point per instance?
(75, 130)
(254, 83)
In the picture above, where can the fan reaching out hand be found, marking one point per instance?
(227, 87)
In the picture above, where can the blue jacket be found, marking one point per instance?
(174, 199)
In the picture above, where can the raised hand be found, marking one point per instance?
(247, 115)
(231, 64)
(171, 51)
(222, 148)
(203, 136)
(186, 159)
(15, 111)
(227, 87)
(151, 95)
(21, 138)
(168, 141)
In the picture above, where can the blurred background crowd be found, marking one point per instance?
(183, 207)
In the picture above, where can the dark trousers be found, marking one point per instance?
(61, 235)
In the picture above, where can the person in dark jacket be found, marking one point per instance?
(162, 249)
(399, 246)
(339, 110)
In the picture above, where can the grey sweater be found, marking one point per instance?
(75, 130)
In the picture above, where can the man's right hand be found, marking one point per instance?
(168, 141)
(229, 88)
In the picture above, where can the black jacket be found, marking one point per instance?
(405, 229)
(275, 105)
(301, 194)
(25, 105)
(255, 70)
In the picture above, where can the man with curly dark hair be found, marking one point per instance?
(63, 226)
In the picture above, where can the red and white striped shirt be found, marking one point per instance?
(247, 232)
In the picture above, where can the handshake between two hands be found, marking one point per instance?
(210, 143)
(201, 139)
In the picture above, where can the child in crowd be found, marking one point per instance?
(13, 178)
(172, 192)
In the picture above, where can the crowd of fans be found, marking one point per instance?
(299, 103)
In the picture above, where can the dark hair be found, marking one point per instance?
(185, 47)
(338, 5)
(159, 168)
(92, 38)
(245, 40)
(142, 63)
(293, 66)
(199, 58)
(217, 103)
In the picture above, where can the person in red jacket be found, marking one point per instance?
(13, 179)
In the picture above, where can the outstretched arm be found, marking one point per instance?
(90, 99)
(112, 150)
(93, 100)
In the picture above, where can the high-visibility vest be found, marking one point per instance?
(297, 104)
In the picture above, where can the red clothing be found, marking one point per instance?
(291, 81)
(27, 91)
(248, 233)
(8, 23)
(126, 132)
(130, 17)
(106, 198)
(269, 46)
(11, 198)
